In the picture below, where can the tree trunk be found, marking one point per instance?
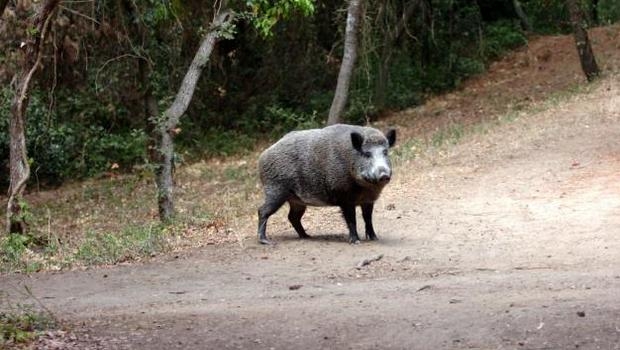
(525, 22)
(584, 49)
(166, 126)
(18, 158)
(150, 109)
(348, 62)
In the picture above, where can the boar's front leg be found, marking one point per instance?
(367, 215)
(348, 211)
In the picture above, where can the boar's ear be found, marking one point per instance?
(391, 137)
(357, 140)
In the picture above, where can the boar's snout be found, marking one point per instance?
(385, 176)
(379, 175)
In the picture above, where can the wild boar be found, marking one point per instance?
(339, 165)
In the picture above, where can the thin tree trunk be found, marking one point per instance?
(150, 108)
(525, 22)
(166, 127)
(348, 62)
(584, 49)
(18, 158)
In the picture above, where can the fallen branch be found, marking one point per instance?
(368, 261)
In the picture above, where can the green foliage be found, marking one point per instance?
(22, 326)
(501, 36)
(216, 142)
(12, 247)
(608, 11)
(114, 247)
(267, 13)
(548, 16)
(281, 120)
(552, 16)
(70, 149)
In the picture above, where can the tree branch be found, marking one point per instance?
(188, 86)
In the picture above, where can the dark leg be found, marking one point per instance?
(348, 211)
(367, 215)
(271, 205)
(294, 216)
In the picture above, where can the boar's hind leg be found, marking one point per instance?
(271, 205)
(348, 211)
(294, 216)
(367, 215)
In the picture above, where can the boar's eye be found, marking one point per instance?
(385, 152)
(367, 154)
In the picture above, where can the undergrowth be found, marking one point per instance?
(21, 323)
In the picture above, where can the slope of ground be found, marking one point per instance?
(505, 239)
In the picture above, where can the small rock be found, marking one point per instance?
(294, 287)
(581, 313)
(405, 259)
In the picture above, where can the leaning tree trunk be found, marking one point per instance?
(525, 22)
(166, 127)
(348, 62)
(18, 158)
(584, 49)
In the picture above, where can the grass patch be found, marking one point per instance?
(449, 135)
(22, 253)
(132, 243)
(20, 324)
(114, 220)
(408, 150)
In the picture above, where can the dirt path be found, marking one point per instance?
(509, 239)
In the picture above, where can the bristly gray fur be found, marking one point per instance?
(321, 167)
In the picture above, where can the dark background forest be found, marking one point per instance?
(108, 62)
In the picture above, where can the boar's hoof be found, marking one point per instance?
(372, 237)
(266, 241)
(355, 241)
(305, 236)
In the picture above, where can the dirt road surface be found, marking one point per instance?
(509, 239)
